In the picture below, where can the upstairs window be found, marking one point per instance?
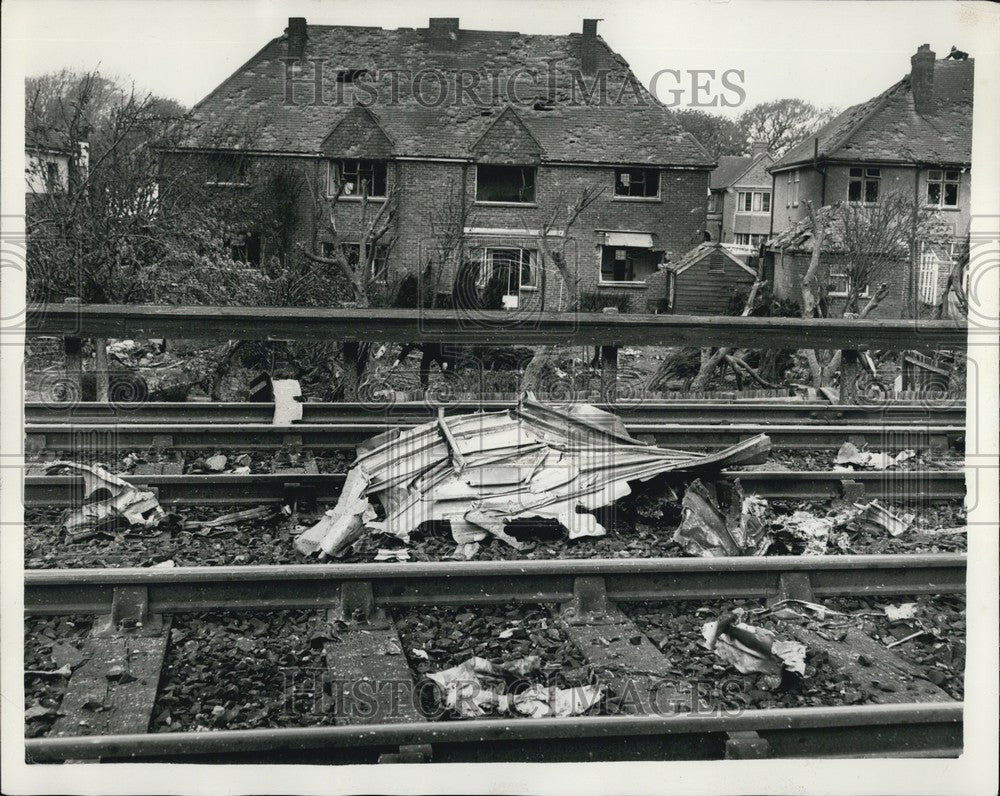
(357, 175)
(637, 183)
(863, 185)
(791, 189)
(942, 188)
(712, 203)
(505, 184)
(229, 171)
(754, 202)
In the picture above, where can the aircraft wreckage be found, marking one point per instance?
(482, 471)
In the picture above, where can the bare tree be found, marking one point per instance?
(783, 123)
(869, 242)
(552, 240)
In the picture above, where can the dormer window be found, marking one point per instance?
(506, 184)
(353, 176)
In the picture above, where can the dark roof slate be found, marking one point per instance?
(248, 109)
(888, 129)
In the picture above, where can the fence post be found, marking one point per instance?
(73, 349)
(850, 370)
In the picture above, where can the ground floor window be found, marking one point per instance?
(510, 268)
(840, 282)
(352, 251)
(749, 239)
(244, 247)
(626, 263)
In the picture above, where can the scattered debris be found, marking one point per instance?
(217, 463)
(850, 454)
(477, 687)
(900, 613)
(812, 530)
(792, 609)
(754, 649)
(706, 531)
(260, 513)
(398, 554)
(482, 471)
(287, 402)
(875, 516)
(905, 639)
(107, 499)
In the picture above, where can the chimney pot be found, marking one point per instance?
(589, 48)
(758, 148)
(296, 36)
(922, 79)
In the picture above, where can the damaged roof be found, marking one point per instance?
(888, 129)
(734, 167)
(364, 65)
(481, 471)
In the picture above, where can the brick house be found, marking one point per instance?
(739, 201)
(914, 138)
(495, 131)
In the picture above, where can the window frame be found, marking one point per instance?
(335, 176)
(507, 202)
(646, 172)
(866, 293)
(381, 252)
(943, 182)
(863, 180)
(241, 171)
(620, 282)
(486, 269)
(756, 202)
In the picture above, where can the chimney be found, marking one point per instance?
(444, 31)
(922, 79)
(589, 48)
(758, 148)
(296, 36)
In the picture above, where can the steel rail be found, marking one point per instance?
(413, 412)
(903, 486)
(413, 584)
(262, 436)
(909, 729)
(498, 327)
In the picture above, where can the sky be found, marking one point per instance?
(830, 52)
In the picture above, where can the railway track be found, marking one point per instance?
(905, 486)
(922, 722)
(411, 412)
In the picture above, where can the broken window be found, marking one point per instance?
(712, 206)
(754, 202)
(228, 170)
(357, 175)
(863, 185)
(637, 183)
(350, 75)
(626, 264)
(352, 251)
(244, 247)
(53, 180)
(517, 268)
(942, 188)
(505, 183)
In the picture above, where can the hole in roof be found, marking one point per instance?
(350, 75)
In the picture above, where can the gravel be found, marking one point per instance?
(676, 628)
(241, 671)
(50, 643)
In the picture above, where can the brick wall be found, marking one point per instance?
(432, 194)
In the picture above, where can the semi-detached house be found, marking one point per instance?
(500, 129)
